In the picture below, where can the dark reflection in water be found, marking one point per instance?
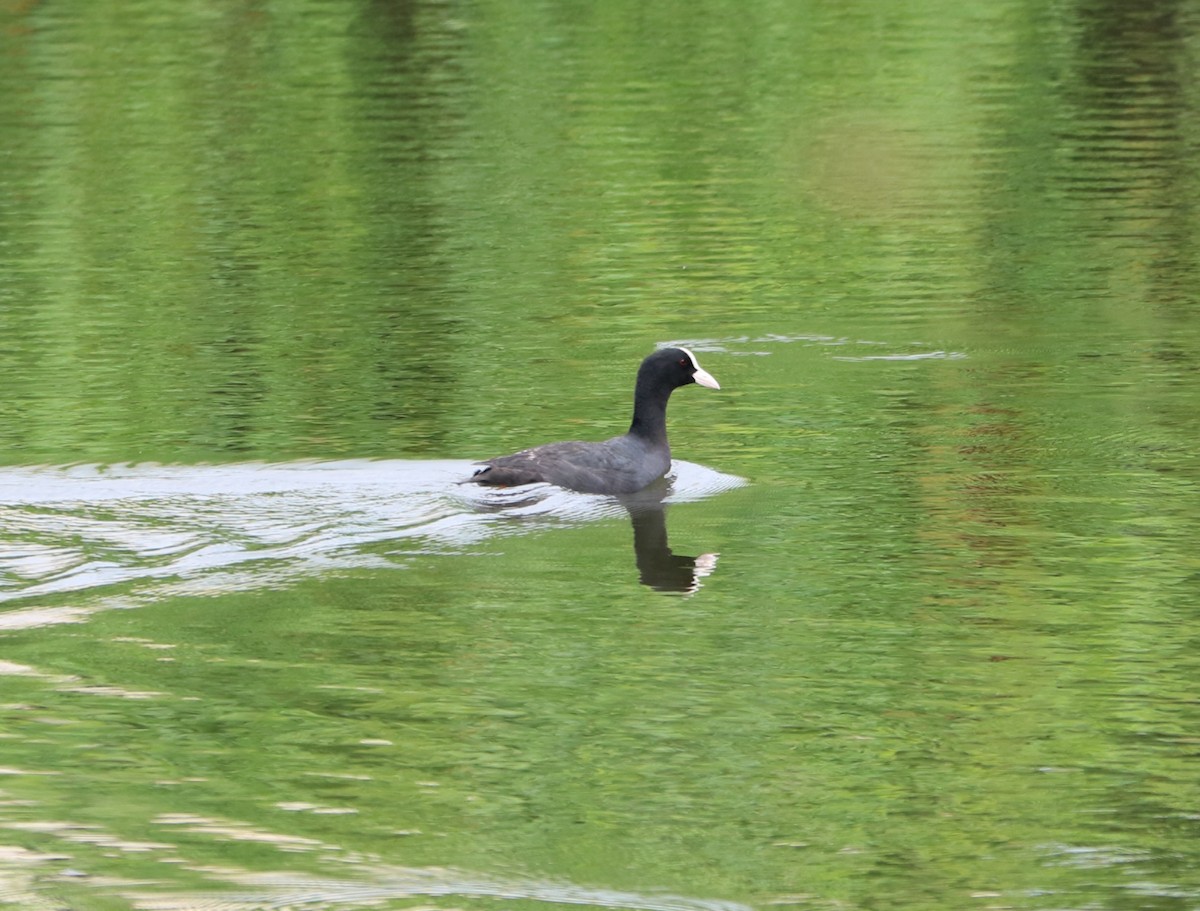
(658, 566)
(1132, 49)
(1127, 95)
(1126, 105)
(1130, 139)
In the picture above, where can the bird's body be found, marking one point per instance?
(624, 464)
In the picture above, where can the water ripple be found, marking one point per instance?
(396, 883)
(162, 531)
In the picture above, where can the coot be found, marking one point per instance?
(623, 464)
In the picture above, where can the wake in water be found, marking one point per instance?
(266, 891)
(162, 531)
(368, 882)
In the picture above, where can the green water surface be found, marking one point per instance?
(272, 273)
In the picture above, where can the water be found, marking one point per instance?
(913, 625)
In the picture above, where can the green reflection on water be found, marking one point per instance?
(764, 737)
(941, 261)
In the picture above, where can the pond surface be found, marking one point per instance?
(914, 623)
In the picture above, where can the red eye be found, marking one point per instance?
(683, 362)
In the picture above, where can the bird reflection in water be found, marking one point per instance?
(658, 566)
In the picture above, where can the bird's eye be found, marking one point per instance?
(683, 362)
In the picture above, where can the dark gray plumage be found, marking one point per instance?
(624, 464)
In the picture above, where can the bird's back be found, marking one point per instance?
(624, 464)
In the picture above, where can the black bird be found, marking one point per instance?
(624, 464)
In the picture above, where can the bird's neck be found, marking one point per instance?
(650, 415)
